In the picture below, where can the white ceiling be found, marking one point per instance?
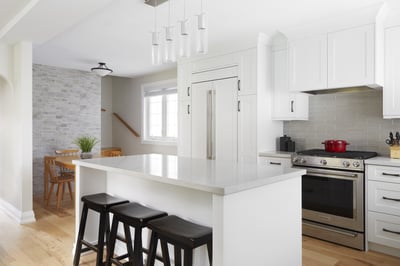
(79, 33)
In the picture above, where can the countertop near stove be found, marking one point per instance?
(380, 160)
(276, 154)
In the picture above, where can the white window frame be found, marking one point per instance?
(156, 86)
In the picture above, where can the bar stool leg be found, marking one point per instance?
(113, 238)
(152, 249)
(100, 241)
(165, 253)
(178, 256)
(188, 257)
(209, 248)
(81, 233)
(129, 247)
(138, 249)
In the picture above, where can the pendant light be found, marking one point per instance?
(155, 43)
(169, 47)
(184, 37)
(201, 32)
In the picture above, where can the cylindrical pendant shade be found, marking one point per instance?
(184, 39)
(155, 49)
(201, 34)
(169, 45)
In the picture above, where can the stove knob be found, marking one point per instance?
(323, 162)
(346, 164)
(295, 160)
(356, 164)
(303, 161)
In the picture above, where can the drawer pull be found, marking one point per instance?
(390, 231)
(274, 163)
(386, 198)
(397, 175)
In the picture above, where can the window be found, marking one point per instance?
(160, 112)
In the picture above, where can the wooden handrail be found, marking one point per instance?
(127, 125)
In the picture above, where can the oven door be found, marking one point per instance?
(334, 197)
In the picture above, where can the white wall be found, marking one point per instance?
(106, 116)
(127, 102)
(16, 131)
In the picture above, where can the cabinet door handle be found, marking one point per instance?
(238, 106)
(188, 109)
(274, 163)
(386, 198)
(291, 106)
(238, 84)
(390, 231)
(389, 174)
(188, 91)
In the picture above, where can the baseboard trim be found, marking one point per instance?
(17, 215)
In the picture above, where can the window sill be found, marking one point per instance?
(158, 142)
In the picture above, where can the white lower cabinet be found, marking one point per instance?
(383, 208)
(275, 161)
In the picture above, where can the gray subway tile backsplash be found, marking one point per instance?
(355, 117)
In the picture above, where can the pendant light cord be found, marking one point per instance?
(184, 9)
(155, 17)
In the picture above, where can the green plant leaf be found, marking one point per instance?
(86, 143)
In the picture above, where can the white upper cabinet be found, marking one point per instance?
(184, 81)
(307, 64)
(287, 105)
(391, 91)
(248, 72)
(351, 57)
(340, 59)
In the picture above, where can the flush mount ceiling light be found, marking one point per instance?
(101, 70)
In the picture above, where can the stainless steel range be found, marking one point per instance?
(333, 195)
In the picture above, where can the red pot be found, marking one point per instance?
(335, 145)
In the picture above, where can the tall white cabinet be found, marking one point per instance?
(391, 91)
(238, 86)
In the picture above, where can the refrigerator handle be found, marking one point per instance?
(213, 111)
(209, 124)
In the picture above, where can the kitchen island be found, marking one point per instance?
(254, 210)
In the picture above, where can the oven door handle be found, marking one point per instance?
(340, 175)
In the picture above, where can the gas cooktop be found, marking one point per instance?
(361, 155)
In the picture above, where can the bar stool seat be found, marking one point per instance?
(135, 215)
(100, 203)
(180, 233)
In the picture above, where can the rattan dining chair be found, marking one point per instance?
(70, 152)
(111, 153)
(58, 179)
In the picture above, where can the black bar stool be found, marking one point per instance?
(100, 203)
(180, 233)
(135, 215)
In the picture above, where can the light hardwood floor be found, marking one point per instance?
(49, 241)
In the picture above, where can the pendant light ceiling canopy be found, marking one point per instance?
(101, 70)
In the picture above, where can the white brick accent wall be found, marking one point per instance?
(66, 104)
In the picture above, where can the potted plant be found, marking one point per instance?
(86, 144)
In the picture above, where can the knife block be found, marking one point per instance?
(395, 151)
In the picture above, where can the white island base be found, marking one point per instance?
(255, 212)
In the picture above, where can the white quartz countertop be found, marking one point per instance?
(380, 160)
(218, 177)
(276, 154)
